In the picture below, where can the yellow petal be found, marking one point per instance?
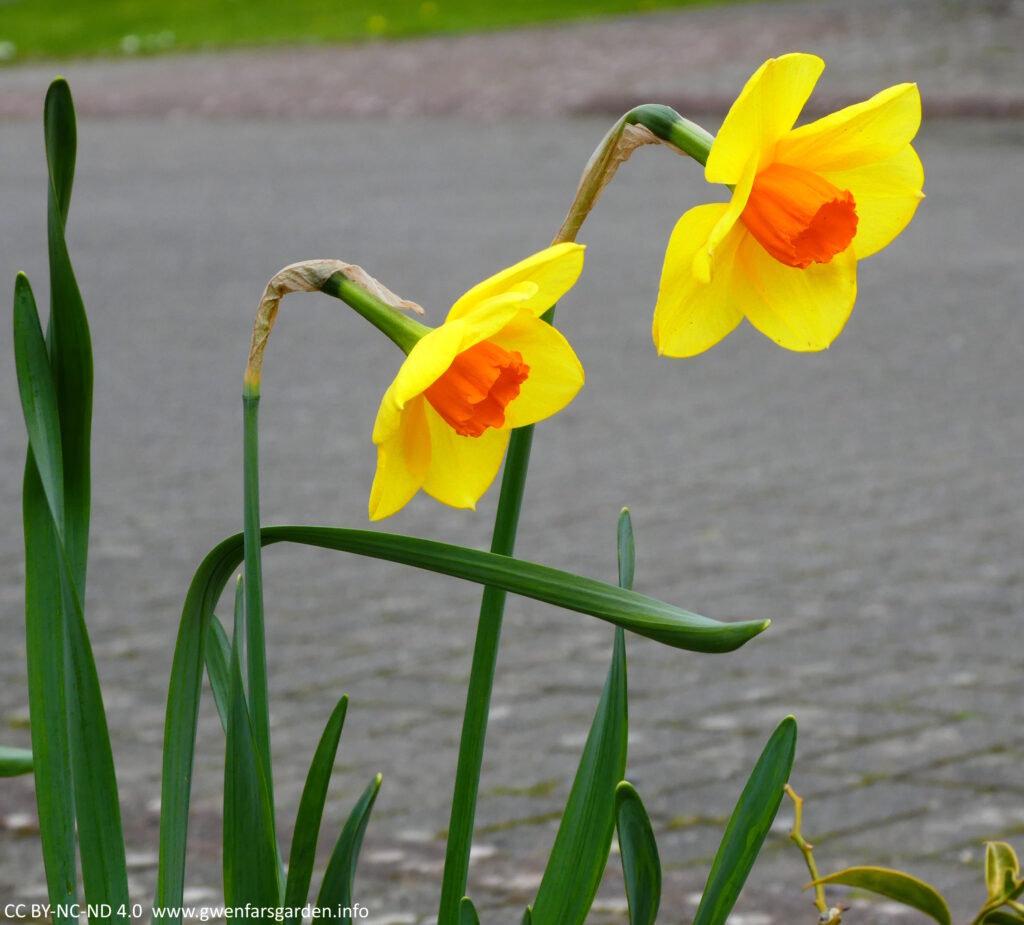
(553, 272)
(799, 309)
(704, 258)
(886, 195)
(692, 315)
(761, 115)
(865, 133)
(434, 352)
(556, 374)
(461, 468)
(402, 462)
(426, 362)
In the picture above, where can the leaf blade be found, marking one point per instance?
(641, 865)
(1001, 869)
(896, 885)
(311, 809)
(748, 826)
(633, 611)
(580, 852)
(336, 889)
(250, 846)
(15, 761)
(467, 912)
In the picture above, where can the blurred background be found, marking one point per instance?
(866, 499)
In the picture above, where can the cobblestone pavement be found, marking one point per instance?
(867, 499)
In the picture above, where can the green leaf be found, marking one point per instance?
(45, 643)
(61, 134)
(97, 809)
(641, 866)
(311, 810)
(467, 912)
(15, 761)
(250, 847)
(643, 615)
(1002, 917)
(580, 852)
(38, 397)
(100, 836)
(627, 550)
(218, 669)
(748, 826)
(69, 722)
(894, 884)
(68, 339)
(527, 918)
(336, 889)
(1001, 869)
(633, 611)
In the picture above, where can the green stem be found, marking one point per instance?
(669, 126)
(402, 329)
(255, 641)
(481, 680)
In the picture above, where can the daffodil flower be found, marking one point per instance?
(807, 204)
(445, 421)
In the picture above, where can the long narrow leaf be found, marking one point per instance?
(336, 889)
(57, 491)
(97, 809)
(580, 852)
(626, 550)
(751, 819)
(38, 397)
(311, 810)
(641, 866)
(633, 611)
(45, 644)
(15, 761)
(218, 669)
(467, 912)
(894, 884)
(68, 338)
(527, 918)
(250, 849)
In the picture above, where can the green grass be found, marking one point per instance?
(77, 28)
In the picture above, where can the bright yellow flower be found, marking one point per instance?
(807, 204)
(444, 422)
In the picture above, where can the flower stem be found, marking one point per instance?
(481, 679)
(647, 124)
(333, 278)
(255, 642)
(401, 329)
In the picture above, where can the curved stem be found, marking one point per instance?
(651, 123)
(353, 286)
(646, 124)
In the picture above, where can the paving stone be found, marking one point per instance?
(867, 499)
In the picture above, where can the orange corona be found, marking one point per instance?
(474, 391)
(798, 216)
